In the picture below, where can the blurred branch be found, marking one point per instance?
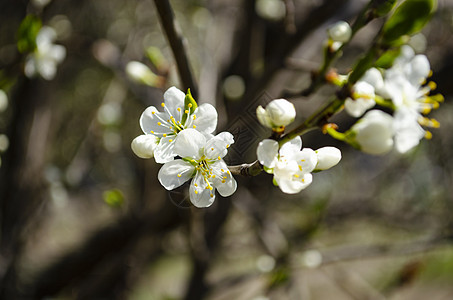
(177, 44)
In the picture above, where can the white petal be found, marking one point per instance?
(267, 152)
(150, 120)
(144, 145)
(174, 98)
(57, 53)
(358, 107)
(289, 186)
(306, 160)
(215, 148)
(408, 131)
(190, 143)
(373, 77)
(46, 68)
(291, 147)
(30, 66)
(200, 194)
(226, 136)
(263, 117)
(327, 157)
(165, 152)
(419, 69)
(224, 182)
(174, 173)
(374, 132)
(206, 118)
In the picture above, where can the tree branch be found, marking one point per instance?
(177, 44)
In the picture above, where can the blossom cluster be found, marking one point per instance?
(404, 89)
(290, 164)
(180, 137)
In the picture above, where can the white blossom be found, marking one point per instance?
(291, 166)
(3, 101)
(364, 93)
(327, 157)
(202, 161)
(374, 132)
(278, 113)
(340, 32)
(168, 124)
(47, 55)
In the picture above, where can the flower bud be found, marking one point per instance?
(140, 73)
(340, 32)
(327, 158)
(374, 132)
(279, 112)
(144, 145)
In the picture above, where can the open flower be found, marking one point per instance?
(202, 161)
(47, 55)
(168, 124)
(278, 113)
(291, 167)
(374, 132)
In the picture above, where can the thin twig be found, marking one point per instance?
(177, 44)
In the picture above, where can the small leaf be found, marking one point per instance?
(27, 32)
(114, 198)
(189, 105)
(409, 18)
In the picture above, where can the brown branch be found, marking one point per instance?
(251, 169)
(177, 44)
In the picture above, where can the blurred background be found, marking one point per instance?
(83, 218)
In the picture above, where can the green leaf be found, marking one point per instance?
(114, 198)
(27, 32)
(386, 59)
(365, 63)
(409, 18)
(189, 105)
(383, 7)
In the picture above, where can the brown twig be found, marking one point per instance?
(177, 44)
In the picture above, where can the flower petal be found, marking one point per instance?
(290, 186)
(408, 131)
(419, 69)
(200, 193)
(144, 145)
(165, 152)
(223, 180)
(190, 143)
(291, 147)
(263, 117)
(174, 173)
(267, 153)
(206, 118)
(150, 120)
(174, 98)
(306, 160)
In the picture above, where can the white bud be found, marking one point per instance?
(374, 132)
(140, 73)
(327, 157)
(279, 112)
(340, 32)
(144, 145)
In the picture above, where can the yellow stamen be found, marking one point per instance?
(164, 134)
(300, 168)
(428, 135)
(179, 175)
(219, 158)
(213, 176)
(152, 131)
(194, 117)
(228, 146)
(296, 175)
(162, 104)
(153, 112)
(223, 180)
(170, 140)
(196, 192)
(186, 111)
(189, 105)
(194, 126)
(195, 184)
(178, 109)
(159, 123)
(432, 85)
(212, 195)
